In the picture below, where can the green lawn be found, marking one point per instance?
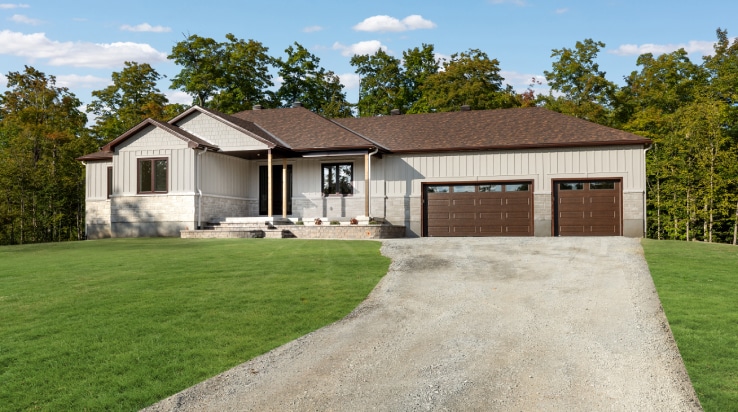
(698, 287)
(120, 324)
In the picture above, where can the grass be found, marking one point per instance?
(698, 287)
(120, 324)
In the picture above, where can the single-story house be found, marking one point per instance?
(507, 172)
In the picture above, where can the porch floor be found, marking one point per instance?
(281, 228)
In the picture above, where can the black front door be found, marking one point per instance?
(276, 190)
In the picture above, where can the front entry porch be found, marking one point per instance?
(282, 228)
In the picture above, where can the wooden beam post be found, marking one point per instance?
(284, 187)
(366, 184)
(269, 184)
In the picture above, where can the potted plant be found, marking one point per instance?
(318, 221)
(354, 221)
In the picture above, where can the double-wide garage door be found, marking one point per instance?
(580, 208)
(489, 209)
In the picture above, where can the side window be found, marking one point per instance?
(110, 181)
(153, 175)
(338, 179)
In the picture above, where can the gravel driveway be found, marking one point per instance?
(478, 324)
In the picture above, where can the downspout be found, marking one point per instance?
(369, 183)
(199, 188)
(645, 186)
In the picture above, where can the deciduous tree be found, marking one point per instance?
(131, 98)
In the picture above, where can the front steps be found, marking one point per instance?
(280, 228)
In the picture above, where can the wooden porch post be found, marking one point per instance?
(269, 184)
(366, 184)
(284, 187)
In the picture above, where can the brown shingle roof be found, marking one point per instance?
(487, 129)
(304, 130)
(101, 155)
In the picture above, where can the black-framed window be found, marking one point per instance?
(153, 175)
(110, 181)
(337, 179)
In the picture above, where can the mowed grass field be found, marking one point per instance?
(698, 287)
(119, 324)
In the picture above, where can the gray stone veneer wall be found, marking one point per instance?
(214, 207)
(97, 219)
(633, 214)
(141, 216)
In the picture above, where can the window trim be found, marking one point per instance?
(152, 160)
(323, 166)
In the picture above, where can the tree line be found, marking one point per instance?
(687, 108)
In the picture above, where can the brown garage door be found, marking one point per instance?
(478, 209)
(587, 208)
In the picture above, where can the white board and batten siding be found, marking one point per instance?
(404, 174)
(96, 176)
(225, 137)
(153, 142)
(223, 175)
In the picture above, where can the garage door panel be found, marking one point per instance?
(439, 202)
(513, 201)
(464, 216)
(611, 229)
(603, 200)
(491, 203)
(487, 216)
(603, 214)
(524, 214)
(571, 200)
(522, 230)
(491, 230)
(571, 215)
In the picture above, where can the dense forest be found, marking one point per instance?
(687, 108)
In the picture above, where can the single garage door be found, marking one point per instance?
(587, 208)
(478, 209)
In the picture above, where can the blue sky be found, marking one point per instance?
(83, 42)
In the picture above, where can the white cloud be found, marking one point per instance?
(77, 54)
(694, 46)
(388, 23)
(146, 27)
(350, 81)
(522, 81)
(8, 6)
(360, 48)
(178, 97)
(73, 81)
(312, 29)
(19, 18)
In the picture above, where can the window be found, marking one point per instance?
(152, 175)
(571, 186)
(338, 178)
(516, 187)
(465, 189)
(110, 182)
(603, 185)
(490, 188)
(438, 189)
